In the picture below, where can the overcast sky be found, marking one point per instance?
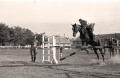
(56, 16)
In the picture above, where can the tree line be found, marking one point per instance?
(17, 36)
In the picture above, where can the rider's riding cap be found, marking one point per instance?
(83, 22)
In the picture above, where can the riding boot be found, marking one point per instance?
(32, 59)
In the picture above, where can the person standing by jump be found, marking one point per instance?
(33, 50)
(83, 25)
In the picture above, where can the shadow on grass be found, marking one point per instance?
(37, 64)
(23, 64)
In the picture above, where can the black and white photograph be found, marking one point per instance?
(59, 39)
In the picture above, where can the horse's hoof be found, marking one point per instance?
(102, 63)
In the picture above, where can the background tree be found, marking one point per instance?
(11, 36)
(23, 36)
(28, 37)
(18, 36)
(39, 38)
(4, 34)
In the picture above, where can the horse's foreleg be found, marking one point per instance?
(95, 51)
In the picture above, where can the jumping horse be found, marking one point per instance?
(87, 36)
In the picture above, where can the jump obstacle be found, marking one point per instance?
(49, 57)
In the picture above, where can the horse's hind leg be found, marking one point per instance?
(101, 52)
(110, 53)
(34, 58)
(95, 51)
(112, 50)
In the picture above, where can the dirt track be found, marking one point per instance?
(16, 64)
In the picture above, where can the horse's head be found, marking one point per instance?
(75, 29)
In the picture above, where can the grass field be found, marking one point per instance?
(16, 63)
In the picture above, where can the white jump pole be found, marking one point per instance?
(43, 51)
(54, 50)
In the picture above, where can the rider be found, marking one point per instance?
(83, 25)
(83, 22)
(86, 26)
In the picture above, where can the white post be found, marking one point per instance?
(54, 50)
(117, 46)
(48, 50)
(43, 45)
